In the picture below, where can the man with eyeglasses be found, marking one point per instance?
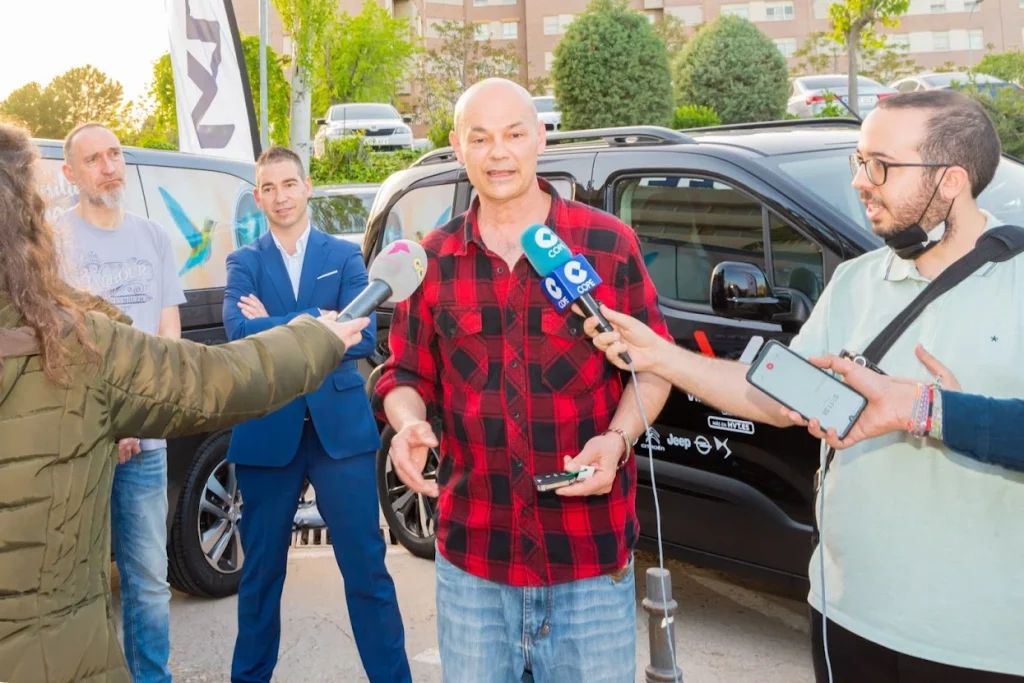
(923, 547)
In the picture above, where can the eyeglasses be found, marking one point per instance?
(877, 170)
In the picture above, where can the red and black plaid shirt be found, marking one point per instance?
(519, 386)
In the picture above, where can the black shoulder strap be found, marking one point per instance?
(995, 245)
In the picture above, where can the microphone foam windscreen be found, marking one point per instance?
(402, 265)
(544, 249)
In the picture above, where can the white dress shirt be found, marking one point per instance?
(293, 262)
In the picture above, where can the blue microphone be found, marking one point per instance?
(565, 278)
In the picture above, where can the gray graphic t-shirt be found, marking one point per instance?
(131, 266)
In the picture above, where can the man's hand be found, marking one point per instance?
(603, 454)
(409, 449)
(349, 332)
(629, 334)
(127, 449)
(890, 399)
(252, 307)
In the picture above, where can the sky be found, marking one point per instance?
(40, 39)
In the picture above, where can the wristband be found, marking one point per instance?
(936, 428)
(625, 439)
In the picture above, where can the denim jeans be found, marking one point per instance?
(578, 632)
(139, 533)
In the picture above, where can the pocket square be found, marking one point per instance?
(333, 272)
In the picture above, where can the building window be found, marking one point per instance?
(483, 31)
(508, 2)
(779, 11)
(551, 25)
(549, 60)
(741, 10)
(652, 17)
(563, 22)
(509, 30)
(977, 39)
(898, 42)
(971, 5)
(787, 46)
(479, 3)
(940, 42)
(938, 6)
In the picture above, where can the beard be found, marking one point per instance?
(922, 209)
(112, 199)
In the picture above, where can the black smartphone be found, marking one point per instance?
(794, 382)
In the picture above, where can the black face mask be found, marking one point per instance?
(913, 241)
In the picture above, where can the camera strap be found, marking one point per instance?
(994, 246)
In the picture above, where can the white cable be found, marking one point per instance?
(821, 564)
(676, 671)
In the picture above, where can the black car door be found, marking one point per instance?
(730, 489)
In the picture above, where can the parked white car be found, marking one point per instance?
(381, 124)
(547, 109)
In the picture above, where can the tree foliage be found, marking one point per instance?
(611, 69)
(817, 55)
(733, 68)
(672, 32)
(460, 61)
(1008, 66)
(164, 114)
(694, 116)
(308, 22)
(1007, 112)
(79, 95)
(855, 25)
(366, 57)
(349, 160)
(886, 63)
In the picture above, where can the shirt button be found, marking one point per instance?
(501, 270)
(545, 629)
(514, 364)
(515, 416)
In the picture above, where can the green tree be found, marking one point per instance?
(460, 61)
(366, 57)
(733, 68)
(855, 25)
(31, 106)
(1006, 65)
(885, 63)
(672, 32)
(164, 114)
(1007, 112)
(78, 95)
(612, 70)
(308, 22)
(818, 54)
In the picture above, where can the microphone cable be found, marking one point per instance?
(677, 674)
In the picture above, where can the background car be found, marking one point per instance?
(766, 203)
(808, 95)
(956, 80)
(343, 210)
(382, 126)
(547, 109)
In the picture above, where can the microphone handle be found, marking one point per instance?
(376, 293)
(591, 308)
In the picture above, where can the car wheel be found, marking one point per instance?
(410, 516)
(205, 545)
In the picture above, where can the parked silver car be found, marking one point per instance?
(955, 80)
(547, 109)
(381, 124)
(809, 95)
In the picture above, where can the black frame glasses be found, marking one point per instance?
(856, 162)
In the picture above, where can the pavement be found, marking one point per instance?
(725, 632)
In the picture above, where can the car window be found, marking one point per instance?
(907, 86)
(419, 211)
(797, 262)
(341, 214)
(827, 174)
(687, 226)
(206, 214)
(364, 111)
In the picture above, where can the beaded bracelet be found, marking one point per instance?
(921, 413)
(935, 431)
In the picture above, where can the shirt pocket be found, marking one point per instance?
(462, 346)
(570, 364)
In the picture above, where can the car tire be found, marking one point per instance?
(410, 516)
(209, 505)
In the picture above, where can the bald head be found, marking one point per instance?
(495, 91)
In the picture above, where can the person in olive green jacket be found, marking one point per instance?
(75, 378)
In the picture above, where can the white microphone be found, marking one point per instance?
(395, 274)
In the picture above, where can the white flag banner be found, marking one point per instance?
(216, 115)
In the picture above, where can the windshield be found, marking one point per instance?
(363, 111)
(342, 214)
(827, 174)
(943, 80)
(545, 105)
(824, 82)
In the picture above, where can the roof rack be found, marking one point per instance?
(784, 123)
(621, 136)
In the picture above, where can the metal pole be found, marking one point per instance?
(970, 56)
(264, 20)
(661, 630)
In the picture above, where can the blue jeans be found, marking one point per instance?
(578, 632)
(139, 533)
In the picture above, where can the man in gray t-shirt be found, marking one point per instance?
(128, 260)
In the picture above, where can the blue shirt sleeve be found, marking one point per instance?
(985, 429)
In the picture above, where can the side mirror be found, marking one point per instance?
(741, 290)
(407, 119)
(322, 122)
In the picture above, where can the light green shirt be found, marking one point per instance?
(924, 548)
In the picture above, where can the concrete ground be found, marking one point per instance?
(725, 633)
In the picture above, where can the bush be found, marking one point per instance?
(733, 68)
(611, 69)
(350, 161)
(438, 133)
(695, 116)
(1007, 112)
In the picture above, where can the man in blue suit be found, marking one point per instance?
(329, 436)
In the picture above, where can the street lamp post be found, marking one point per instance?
(970, 50)
(264, 22)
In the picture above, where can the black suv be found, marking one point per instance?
(767, 204)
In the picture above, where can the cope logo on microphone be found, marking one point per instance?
(546, 239)
(569, 282)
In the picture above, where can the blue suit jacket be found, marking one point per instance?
(333, 274)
